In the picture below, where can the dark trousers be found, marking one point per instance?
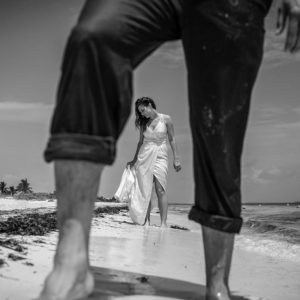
(223, 46)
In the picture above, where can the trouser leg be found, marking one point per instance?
(223, 43)
(95, 89)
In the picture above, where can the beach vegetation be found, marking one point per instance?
(12, 190)
(103, 199)
(3, 187)
(24, 186)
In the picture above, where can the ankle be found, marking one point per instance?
(73, 261)
(217, 290)
(71, 248)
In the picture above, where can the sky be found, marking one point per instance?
(32, 38)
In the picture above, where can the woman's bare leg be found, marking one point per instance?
(148, 215)
(76, 185)
(162, 202)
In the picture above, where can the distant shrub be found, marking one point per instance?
(103, 199)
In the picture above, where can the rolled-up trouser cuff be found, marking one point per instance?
(221, 223)
(81, 147)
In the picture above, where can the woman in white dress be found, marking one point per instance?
(150, 161)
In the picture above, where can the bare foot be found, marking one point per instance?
(63, 284)
(70, 278)
(220, 293)
(163, 226)
(147, 223)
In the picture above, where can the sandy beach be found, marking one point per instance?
(135, 262)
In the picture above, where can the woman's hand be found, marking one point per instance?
(288, 17)
(177, 165)
(131, 164)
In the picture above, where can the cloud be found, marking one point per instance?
(171, 53)
(275, 132)
(268, 175)
(289, 126)
(296, 110)
(272, 145)
(25, 111)
(283, 116)
(256, 176)
(7, 106)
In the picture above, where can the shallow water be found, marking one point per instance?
(272, 230)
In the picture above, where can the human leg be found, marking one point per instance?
(162, 202)
(223, 43)
(148, 215)
(76, 186)
(218, 250)
(93, 104)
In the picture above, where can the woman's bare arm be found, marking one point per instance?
(172, 141)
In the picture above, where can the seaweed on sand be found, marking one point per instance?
(15, 257)
(109, 210)
(2, 262)
(178, 227)
(29, 224)
(12, 244)
(43, 223)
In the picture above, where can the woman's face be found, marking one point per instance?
(145, 111)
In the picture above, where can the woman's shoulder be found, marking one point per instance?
(166, 118)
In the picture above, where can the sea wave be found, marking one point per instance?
(283, 226)
(291, 235)
(271, 247)
(273, 231)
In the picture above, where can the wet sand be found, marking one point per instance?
(135, 262)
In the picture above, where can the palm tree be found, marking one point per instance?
(24, 186)
(12, 190)
(3, 188)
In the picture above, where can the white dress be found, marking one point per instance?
(152, 162)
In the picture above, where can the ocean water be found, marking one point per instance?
(272, 230)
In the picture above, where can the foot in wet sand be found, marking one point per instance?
(70, 278)
(163, 226)
(63, 284)
(220, 293)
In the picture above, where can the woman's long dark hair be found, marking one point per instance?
(140, 120)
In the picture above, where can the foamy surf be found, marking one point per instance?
(272, 248)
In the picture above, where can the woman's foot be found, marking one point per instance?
(70, 278)
(163, 225)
